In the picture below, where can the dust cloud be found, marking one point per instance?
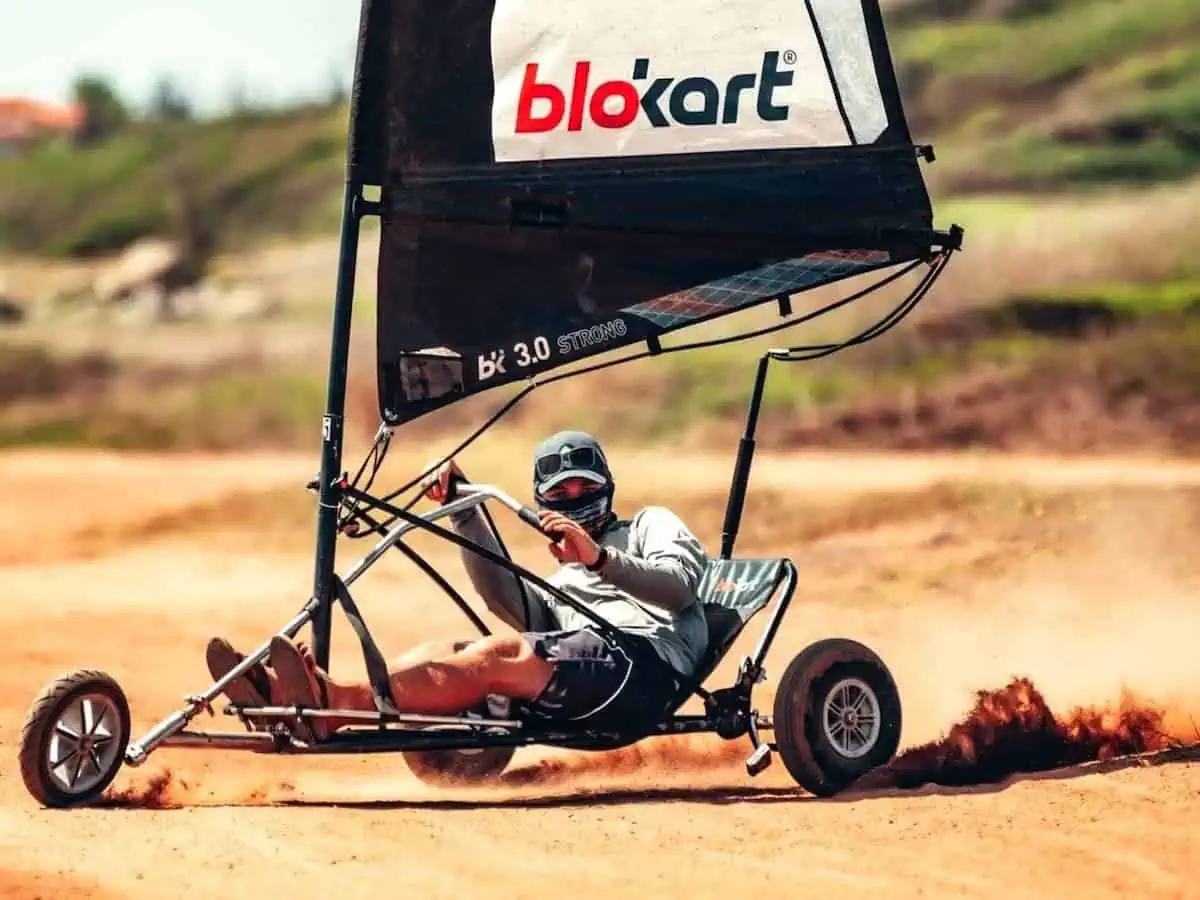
(1084, 652)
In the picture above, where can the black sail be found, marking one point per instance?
(562, 180)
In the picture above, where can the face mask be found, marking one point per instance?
(590, 512)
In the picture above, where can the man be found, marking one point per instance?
(641, 575)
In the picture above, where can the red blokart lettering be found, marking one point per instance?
(598, 106)
(542, 106)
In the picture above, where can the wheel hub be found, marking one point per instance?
(82, 746)
(851, 718)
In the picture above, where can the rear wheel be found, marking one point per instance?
(837, 715)
(74, 738)
(447, 768)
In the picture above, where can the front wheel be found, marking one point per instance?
(837, 715)
(74, 738)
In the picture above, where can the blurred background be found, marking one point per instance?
(170, 181)
(170, 186)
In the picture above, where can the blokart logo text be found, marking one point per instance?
(663, 100)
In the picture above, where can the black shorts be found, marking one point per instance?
(600, 684)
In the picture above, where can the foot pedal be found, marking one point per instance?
(759, 760)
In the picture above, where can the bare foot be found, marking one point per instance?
(310, 661)
(307, 654)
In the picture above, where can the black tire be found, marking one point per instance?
(815, 760)
(449, 768)
(39, 731)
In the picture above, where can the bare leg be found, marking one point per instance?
(428, 652)
(454, 683)
(436, 679)
(432, 679)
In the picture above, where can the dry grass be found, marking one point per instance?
(1019, 245)
(1135, 389)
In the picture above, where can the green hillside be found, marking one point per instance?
(1042, 94)
(251, 175)
(1018, 95)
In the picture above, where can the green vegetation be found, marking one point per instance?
(1128, 301)
(1078, 93)
(254, 174)
(715, 384)
(1070, 38)
(1122, 348)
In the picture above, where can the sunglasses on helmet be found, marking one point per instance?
(568, 458)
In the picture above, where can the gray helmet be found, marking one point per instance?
(574, 454)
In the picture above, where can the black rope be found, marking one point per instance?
(438, 579)
(373, 527)
(887, 323)
(375, 457)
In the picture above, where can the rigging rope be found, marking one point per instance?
(800, 353)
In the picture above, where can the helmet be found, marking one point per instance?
(574, 454)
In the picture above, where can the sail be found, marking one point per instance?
(562, 180)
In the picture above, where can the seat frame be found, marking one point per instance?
(726, 621)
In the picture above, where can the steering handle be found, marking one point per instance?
(527, 515)
(533, 520)
(452, 486)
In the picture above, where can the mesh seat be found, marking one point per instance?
(731, 593)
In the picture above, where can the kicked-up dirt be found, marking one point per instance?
(1038, 616)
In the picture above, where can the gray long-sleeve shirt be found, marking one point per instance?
(647, 586)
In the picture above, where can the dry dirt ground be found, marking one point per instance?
(962, 572)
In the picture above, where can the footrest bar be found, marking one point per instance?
(232, 741)
(366, 716)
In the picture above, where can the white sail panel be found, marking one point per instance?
(844, 32)
(614, 78)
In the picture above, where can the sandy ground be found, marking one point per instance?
(956, 600)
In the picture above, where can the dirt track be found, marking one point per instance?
(956, 600)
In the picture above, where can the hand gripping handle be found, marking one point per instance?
(533, 520)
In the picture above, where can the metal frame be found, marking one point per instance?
(354, 209)
(728, 712)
